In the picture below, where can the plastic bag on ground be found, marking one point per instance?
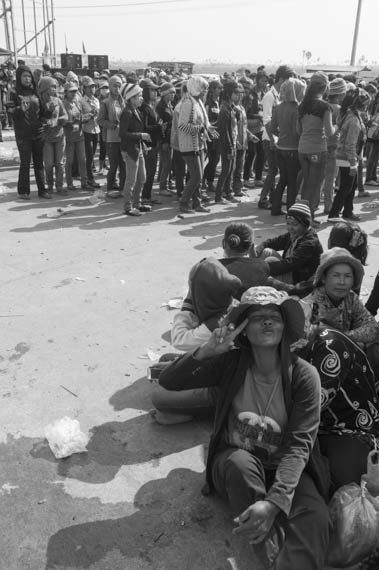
(65, 438)
(354, 514)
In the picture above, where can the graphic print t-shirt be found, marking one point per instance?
(248, 429)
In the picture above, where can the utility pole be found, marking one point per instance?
(53, 31)
(6, 25)
(13, 32)
(356, 33)
(35, 25)
(24, 26)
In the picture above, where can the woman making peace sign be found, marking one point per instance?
(267, 415)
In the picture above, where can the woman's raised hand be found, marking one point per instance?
(222, 340)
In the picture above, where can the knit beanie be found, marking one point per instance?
(301, 212)
(292, 90)
(45, 83)
(130, 90)
(337, 86)
(212, 289)
(320, 78)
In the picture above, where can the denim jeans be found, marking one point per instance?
(313, 169)
(191, 192)
(238, 171)
(53, 153)
(90, 144)
(165, 157)
(240, 478)
(345, 194)
(179, 168)
(134, 181)
(269, 183)
(224, 183)
(289, 166)
(151, 160)
(76, 149)
(116, 161)
(254, 154)
(28, 149)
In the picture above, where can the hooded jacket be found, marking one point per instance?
(28, 124)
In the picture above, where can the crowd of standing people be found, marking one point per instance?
(278, 346)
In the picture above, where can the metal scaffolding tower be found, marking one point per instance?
(15, 19)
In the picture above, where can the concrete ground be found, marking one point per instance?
(82, 299)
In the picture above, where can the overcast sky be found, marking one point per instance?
(198, 30)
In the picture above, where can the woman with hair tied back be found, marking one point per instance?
(213, 284)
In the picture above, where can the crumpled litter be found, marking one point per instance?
(4, 190)
(153, 356)
(79, 279)
(65, 437)
(175, 303)
(58, 214)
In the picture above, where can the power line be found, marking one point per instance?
(124, 5)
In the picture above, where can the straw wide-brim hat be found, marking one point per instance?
(289, 306)
(334, 256)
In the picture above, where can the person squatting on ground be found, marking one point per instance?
(212, 286)
(341, 334)
(300, 245)
(133, 139)
(263, 456)
(25, 107)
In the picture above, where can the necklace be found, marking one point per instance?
(262, 414)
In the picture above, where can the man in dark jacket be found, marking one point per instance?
(300, 245)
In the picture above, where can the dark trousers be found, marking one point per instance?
(90, 145)
(191, 192)
(313, 170)
(224, 182)
(238, 169)
(240, 478)
(343, 200)
(289, 166)
(254, 151)
(372, 161)
(102, 148)
(115, 162)
(165, 157)
(28, 149)
(213, 154)
(269, 183)
(179, 168)
(151, 159)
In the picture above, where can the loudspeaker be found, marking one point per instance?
(98, 62)
(71, 61)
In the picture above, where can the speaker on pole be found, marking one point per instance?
(71, 61)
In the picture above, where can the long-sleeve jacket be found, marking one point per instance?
(165, 112)
(302, 394)
(227, 128)
(28, 124)
(53, 116)
(349, 316)
(352, 132)
(73, 127)
(131, 129)
(150, 123)
(304, 258)
(187, 333)
(193, 124)
(109, 118)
